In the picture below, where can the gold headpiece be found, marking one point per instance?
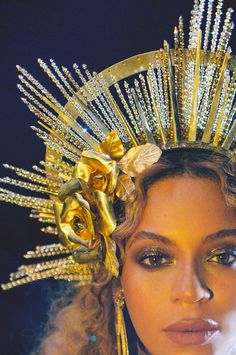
(113, 125)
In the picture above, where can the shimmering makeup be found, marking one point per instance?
(151, 258)
(225, 256)
(157, 258)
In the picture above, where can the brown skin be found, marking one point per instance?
(189, 285)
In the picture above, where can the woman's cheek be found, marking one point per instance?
(144, 290)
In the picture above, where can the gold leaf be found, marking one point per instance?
(69, 188)
(139, 158)
(106, 213)
(124, 187)
(112, 146)
(82, 171)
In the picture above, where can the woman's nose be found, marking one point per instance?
(190, 287)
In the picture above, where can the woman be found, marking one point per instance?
(158, 132)
(178, 256)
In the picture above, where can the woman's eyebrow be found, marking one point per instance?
(152, 236)
(223, 233)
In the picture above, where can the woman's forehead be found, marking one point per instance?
(184, 188)
(181, 206)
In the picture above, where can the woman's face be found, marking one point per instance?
(179, 274)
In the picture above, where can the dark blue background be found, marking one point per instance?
(98, 33)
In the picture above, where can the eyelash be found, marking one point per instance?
(154, 255)
(222, 253)
(153, 258)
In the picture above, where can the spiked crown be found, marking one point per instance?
(119, 118)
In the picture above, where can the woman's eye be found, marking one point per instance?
(154, 260)
(226, 258)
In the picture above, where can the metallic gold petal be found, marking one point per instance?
(58, 206)
(139, 158)
(105, 208)
(69, 188)
(82, 171)
(125, 187)
(112, 146)
(97, 161)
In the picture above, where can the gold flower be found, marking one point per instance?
(85, 226)
(84, 213)
(75, 223)
(98, 170)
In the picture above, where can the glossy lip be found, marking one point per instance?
(191, 331)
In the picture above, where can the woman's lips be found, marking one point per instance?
(191, 331)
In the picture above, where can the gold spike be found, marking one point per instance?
(32, 176)
(214, 107)
(27, 201)
(28, 186)
(50, 230)
(218, 127)
(65, 118)
(156, 111)
(193, 117)
(68, 145)
(52, 102)
(174, 103)
(58, 270)
(50, 74)
(46, 215)
(123, 120)
(70, 77)
(180, 86)
(47, 250)
(91, 141)
(166, 92)
(208, 24)
(58, 162)
(145, 125)
(135, 120)
(62, 77)
(230, 137)
(176, 37)
(91, 114)
(42, 266)
(146, 96)
(181, 33)
(36, 88)
(51, 131)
